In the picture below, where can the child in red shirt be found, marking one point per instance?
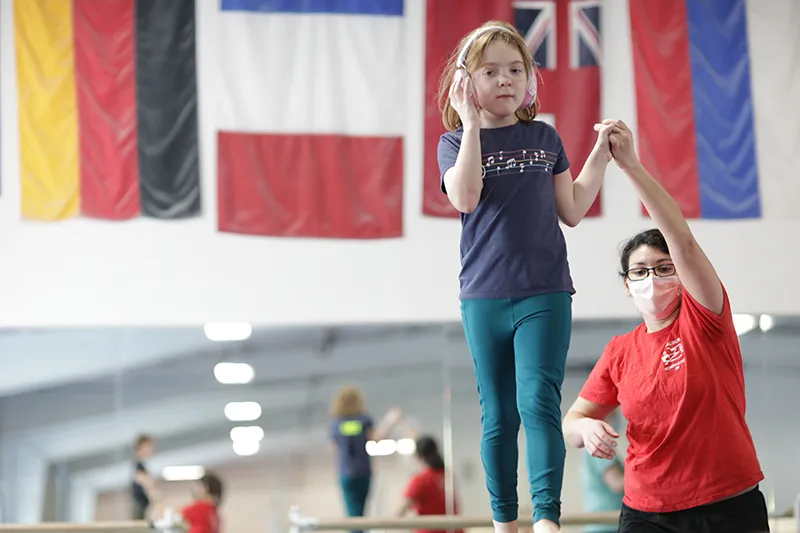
(201, 515)
(678, 377)
(425, 493)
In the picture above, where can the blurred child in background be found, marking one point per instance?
(351, 428)
(143, 490)
(425, 493)
(201, 516)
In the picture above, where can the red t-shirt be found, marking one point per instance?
(682, 391)
(426, 491)
(202, 517)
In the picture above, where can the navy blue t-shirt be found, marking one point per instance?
(512, 245)
(350, 436)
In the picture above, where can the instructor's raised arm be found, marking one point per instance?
(696, 272)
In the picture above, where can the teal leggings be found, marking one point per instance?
(519, 352)
(355, 490)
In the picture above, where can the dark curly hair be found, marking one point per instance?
(652, 237)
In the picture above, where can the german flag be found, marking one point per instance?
(107, 108)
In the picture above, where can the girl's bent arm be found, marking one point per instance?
(574, 198)
(464, 180)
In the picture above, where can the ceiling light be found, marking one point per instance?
(228, 331)
(247, 433)
(233, 373)
(744, 323)
(381, 448)
(242, 411)
(406, 446)
(183, 473)
(245, 447)
(766, 322)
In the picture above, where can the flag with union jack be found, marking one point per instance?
(564, 38)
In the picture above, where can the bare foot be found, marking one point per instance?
(546, 526)
(505, 527)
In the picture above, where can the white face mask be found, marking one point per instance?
(656, 297)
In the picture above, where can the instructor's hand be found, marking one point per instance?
(599, 438)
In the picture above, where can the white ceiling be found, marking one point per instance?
(45, 358)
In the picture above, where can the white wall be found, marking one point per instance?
(145, 272)
(260, 495)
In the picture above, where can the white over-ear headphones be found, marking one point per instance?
(461, 63)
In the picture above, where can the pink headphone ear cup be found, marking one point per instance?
(530, 91)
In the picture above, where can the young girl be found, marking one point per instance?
(351, 427)
(509, 177)
(202, 515)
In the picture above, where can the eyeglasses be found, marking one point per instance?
(661, 271)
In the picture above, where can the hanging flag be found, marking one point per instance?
(107, 108)
(564, 38)
(717, 87)
(311, 117)
(446, 22)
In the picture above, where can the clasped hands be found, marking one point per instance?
(615, 141)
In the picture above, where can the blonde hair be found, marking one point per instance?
(348, 402)
(141, 440)
(508, 35)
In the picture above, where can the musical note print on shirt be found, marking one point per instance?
(516, 161)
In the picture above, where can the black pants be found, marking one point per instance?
(746, 513)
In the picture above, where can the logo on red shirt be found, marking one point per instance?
(674, 355)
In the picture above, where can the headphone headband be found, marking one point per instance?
(462, 57)
(461, 63)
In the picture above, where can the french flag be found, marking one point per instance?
(310, 117)
(718, 88)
